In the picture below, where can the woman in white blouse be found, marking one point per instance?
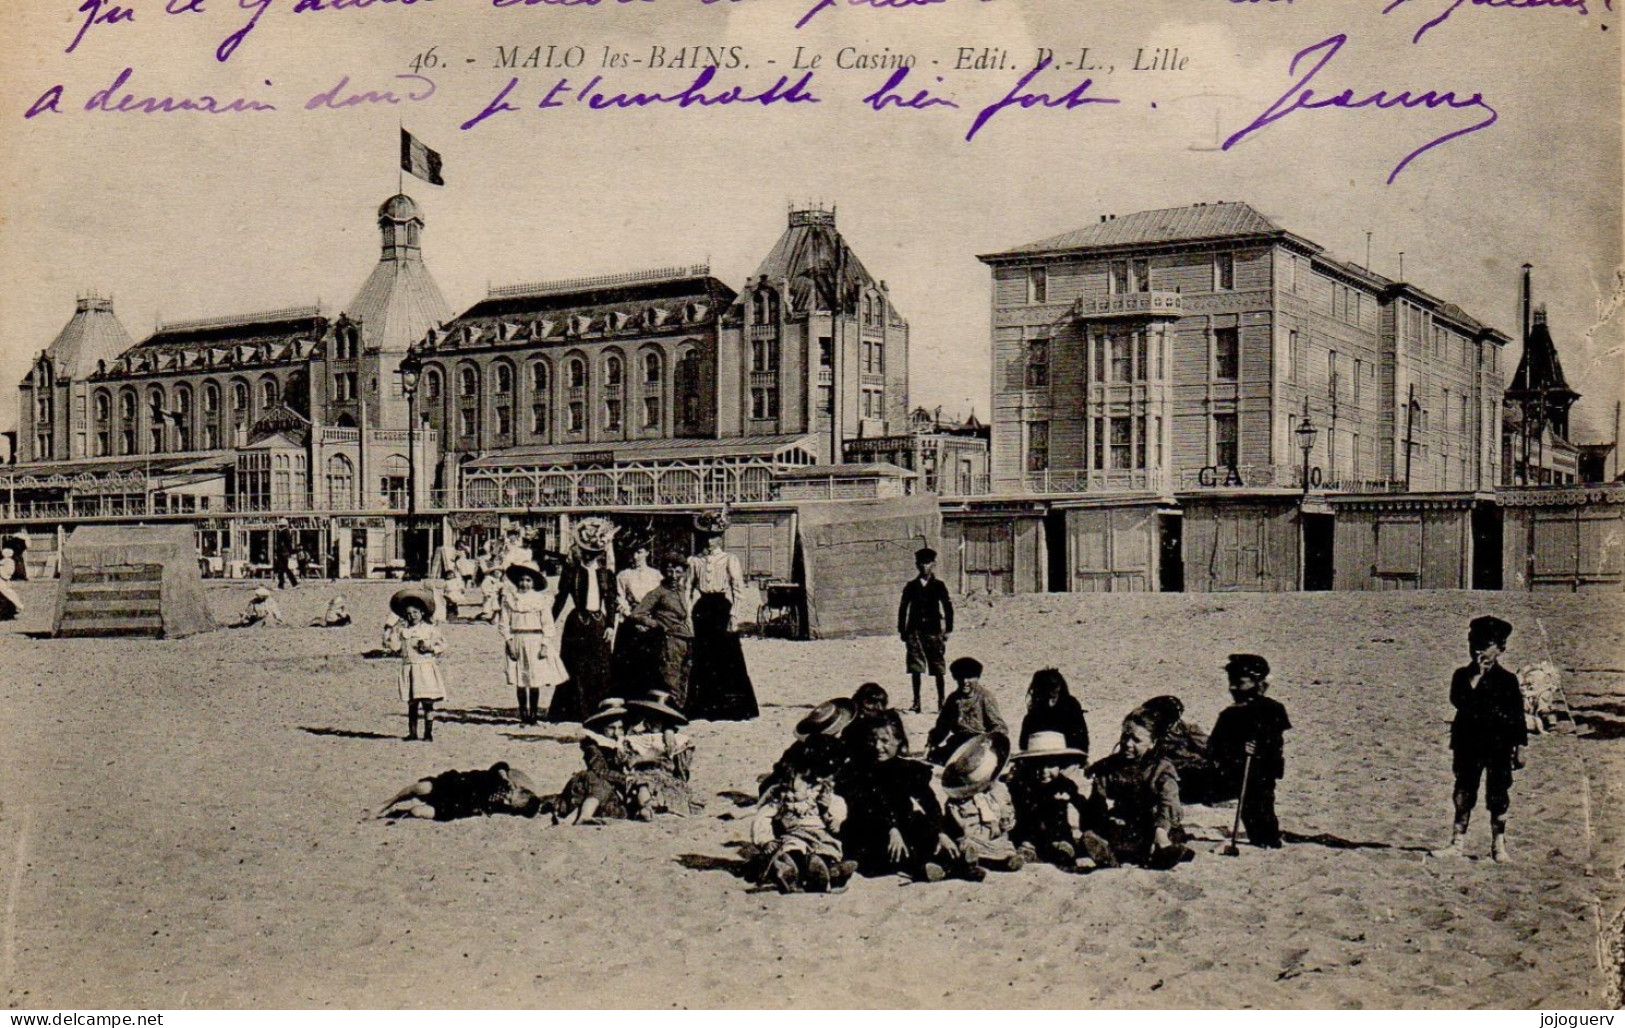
(633, 668)
(719, 683)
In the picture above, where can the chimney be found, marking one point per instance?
(1526, 301)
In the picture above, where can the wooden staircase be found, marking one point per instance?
(122, 600)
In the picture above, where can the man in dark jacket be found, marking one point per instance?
(925, 619)
(1487, 736)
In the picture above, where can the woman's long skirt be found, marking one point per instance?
(586, 655)
(719, 686)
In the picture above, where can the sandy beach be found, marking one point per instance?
(188, 824)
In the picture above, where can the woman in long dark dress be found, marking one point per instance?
(588, 584)
(719, 687)
(637, 649)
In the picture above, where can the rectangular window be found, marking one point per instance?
(1037, 446)
(1122, 359)
(1038, 364)
(1140, 366)
(465, 422)
(826, 352)
(1119, 282)
(211, 437)
(1356, 461)
(1292, 274)
(826, 399)
(1037, 285)
(1142, 276)
(1226, 354)
(504, 421)
(1156, 434)
(651, 412)
(576, 417)
(1122, 444)
(868, 358)
(1359, 373)
(1224, 271)
(1139, 442)
(1331, 375)
(880, 358)
(764, 403)
(538, 420)
(103, 440)
(1224, 440)
(612, 415)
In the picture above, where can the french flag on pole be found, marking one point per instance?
(419, 161)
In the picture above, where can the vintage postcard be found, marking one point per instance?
(811, 504)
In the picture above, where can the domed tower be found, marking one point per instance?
(51, 403)
(394, 309)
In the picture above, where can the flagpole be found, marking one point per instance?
(400, 173)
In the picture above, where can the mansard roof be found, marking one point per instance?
(93, 334)
(1193, 223)
(810, 256)
(605, 306)
(270, 337)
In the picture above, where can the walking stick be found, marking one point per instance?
(1230, 849)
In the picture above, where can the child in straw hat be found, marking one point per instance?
(420, 644)
(796, 823)
(979, 814)
(1049, 807)
(661, 759)
(262, 611)
(525, 619)
(597, 790)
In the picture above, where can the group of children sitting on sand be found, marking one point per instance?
(848, 798)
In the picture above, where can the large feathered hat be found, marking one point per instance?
(712, 522)
(593, 535)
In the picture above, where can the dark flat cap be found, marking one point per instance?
(1250, 665)
(1488, 629)
(965, 667)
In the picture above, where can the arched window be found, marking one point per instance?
(504, 379)
(239, 397)
(340, 482)
(104, 407)
(765, 307)
(126, 406)
(469, 381)
(396, 471)
(687, 386)
(868, 310)
(576, 371)
(651, 369)
(432, 384)
(183, 400)
(269, 393)
(211, 397)
(612, 372)
(651, 389)
(538, 377)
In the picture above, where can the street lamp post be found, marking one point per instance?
(1306, 432)
(411, 367)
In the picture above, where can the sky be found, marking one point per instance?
(186, 214)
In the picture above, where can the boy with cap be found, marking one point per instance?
(1487, 736)
(925, 619)
(968, 711)
(1251, 728)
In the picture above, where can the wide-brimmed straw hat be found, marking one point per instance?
(262, 592)
(659, 702)
(828, 718)
(976, 764)
(525, 569)
(412, 596)
(611, 709)
(1049, 747)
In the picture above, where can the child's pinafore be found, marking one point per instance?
(420, 672)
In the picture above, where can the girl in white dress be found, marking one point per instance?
(529, 638)
(421, 644)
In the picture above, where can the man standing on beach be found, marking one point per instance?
(925, 619)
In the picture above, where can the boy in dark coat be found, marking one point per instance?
(925, 619)
(1252, 727)
(1487, 736)
(893, 820)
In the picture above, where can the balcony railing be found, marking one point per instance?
(1079, 480)
(1154, 304)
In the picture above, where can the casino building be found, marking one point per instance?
(656, 389)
